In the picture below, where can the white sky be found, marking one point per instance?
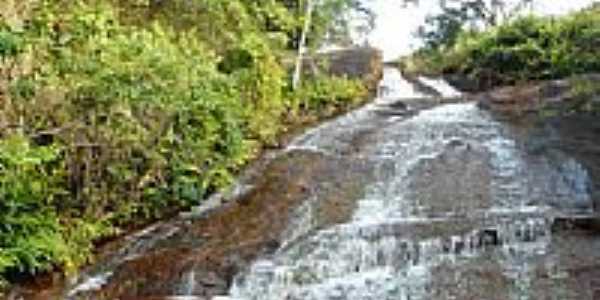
(396, 23)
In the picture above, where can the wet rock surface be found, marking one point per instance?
(577, 135)
(558, 95)
(202, 255)
(459, 208)
(543, 113)
(462, 164)
(409, 197)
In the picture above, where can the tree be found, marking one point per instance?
(302, 45)
(442, 29)
(323, 18)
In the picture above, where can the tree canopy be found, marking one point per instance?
(442, 29)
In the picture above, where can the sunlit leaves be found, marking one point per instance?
(526, 48)
(10, 43)
(121, 118)
(30, 237)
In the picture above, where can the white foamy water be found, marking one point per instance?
(331, 137)
(400, 234)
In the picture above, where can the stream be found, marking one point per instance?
(409, 197)
(457, 208)
(416, 195)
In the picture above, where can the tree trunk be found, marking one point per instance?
(302, 45)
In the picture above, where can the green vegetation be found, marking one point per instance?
(526, 48)
(585, 93)
(327, 95)
(117, 113)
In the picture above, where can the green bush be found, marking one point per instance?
(9, 43)
(144, 112)
(109, 124)
(34, 234)
(145, 122)
(30, 231)
(527, 48)
(329, 93)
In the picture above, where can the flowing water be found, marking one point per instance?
(412, 196)
(458, 208)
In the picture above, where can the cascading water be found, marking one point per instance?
(454, 193)
(444, 202)
(409, 197)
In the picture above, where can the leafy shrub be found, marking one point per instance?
(585, 94)
(30, 235)
(328, 94)
(111, 122)
(145, 123)
(34, 235)
(527, 48)
(148, 122)
(10, 43)
(235, 59)
(261, 90)
(112, 125)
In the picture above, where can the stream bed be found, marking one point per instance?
(458, 206)
(412, 196)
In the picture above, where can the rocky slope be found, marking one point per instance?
(555, 115)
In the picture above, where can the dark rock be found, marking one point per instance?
(363, 63)
(459, 247)
(577, 135)
(587, 223)
(463, 83)
(490, 237)
(394, 113)
(531, 97)
(398, 105)
(455, 143)
(512, 100)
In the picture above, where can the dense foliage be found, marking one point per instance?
(527, 48)
(110, 117)
(29, 228)
(443, 28)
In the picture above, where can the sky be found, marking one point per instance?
(396, 23)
